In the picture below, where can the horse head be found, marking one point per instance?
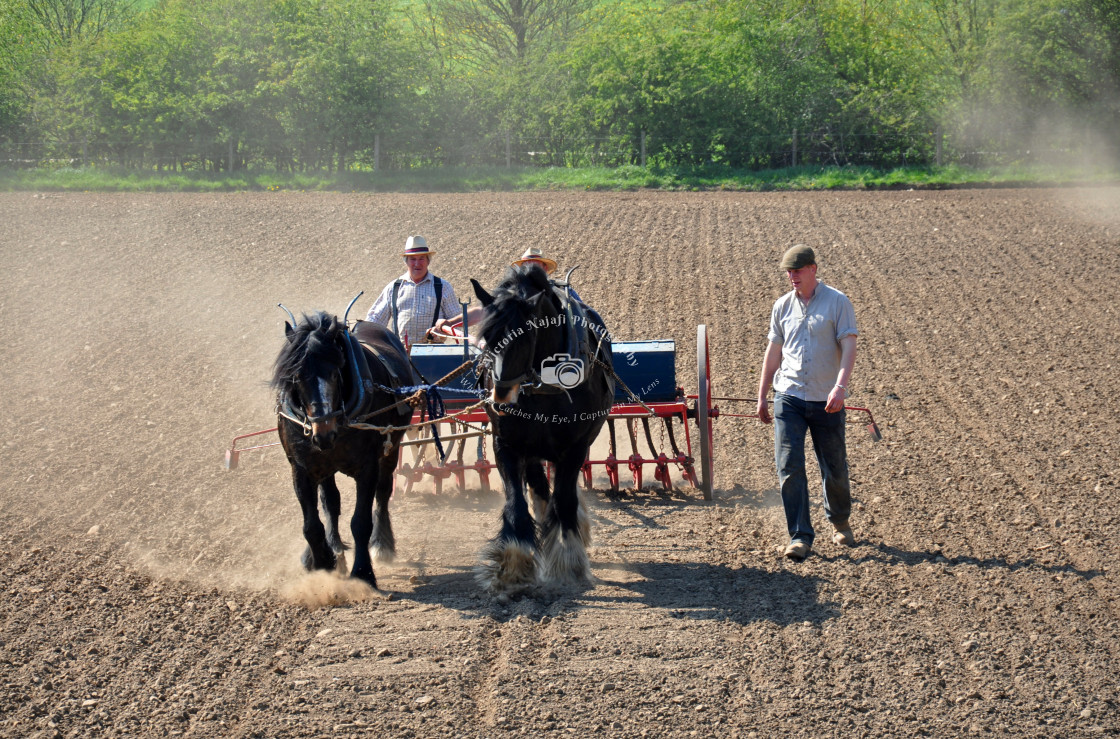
(309, 376)
(521, 327)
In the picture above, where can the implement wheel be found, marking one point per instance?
(703, 409)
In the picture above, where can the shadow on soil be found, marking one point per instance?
(716, 592)
(886, 553)
(700, 592)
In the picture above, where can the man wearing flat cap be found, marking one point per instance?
(809, 361)
(417, 300)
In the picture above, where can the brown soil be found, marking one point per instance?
(149, 592)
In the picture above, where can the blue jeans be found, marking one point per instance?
(794, 417)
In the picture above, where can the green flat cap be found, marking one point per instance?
(797, 256)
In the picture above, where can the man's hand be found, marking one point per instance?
(764, 411)
(437, 335)
(836, 399)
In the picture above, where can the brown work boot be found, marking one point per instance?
(797, 550)
(843, 536)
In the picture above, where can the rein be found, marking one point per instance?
(303, 423)
(417, 393)
(628, 391)
(285, 409)
(435, 408)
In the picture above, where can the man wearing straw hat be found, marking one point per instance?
(809, 360)
(417, 300)
(534, 255)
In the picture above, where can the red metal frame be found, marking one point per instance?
(457, 468)
(872, 427)
(678, 409)
(233, 454)
(449, 468)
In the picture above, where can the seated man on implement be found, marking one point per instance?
(532, 255)
(417, 300)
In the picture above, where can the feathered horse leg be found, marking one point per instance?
(537, 482)
(507, 563)
(383, 543)
(332, 506)
(566, 532)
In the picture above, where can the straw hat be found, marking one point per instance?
(533, 254)
(416, 246)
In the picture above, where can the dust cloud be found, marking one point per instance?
(142, 333)
(328, 589)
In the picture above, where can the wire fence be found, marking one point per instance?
(394, 153)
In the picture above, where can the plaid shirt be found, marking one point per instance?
(416, 306)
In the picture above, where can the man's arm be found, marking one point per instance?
(474, 315)
(770, 363)
(847, 361)
(379, 311)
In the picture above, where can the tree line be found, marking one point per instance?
(337, 84)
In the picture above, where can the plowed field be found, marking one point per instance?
(150, 592)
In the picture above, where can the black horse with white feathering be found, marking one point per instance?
(547, 362)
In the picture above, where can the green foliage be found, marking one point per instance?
(1047, 53)
(298, 86)
(21, 46)
(269, 80)
(626, 177)
(64, 22)
(729, 82)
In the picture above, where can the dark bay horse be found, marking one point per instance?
(548, 363)
(326, 379)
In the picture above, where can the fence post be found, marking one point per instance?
(229, 166)
(937, 140)
(376, 151)
(85, 153)
(795, 147)
(643, 149)
(508, 157)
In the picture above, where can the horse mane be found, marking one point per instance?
(313, 341)
(519, 284)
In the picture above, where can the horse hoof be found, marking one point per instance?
(506, 567)
(308, 561)
(563, 558)
(367, 577)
